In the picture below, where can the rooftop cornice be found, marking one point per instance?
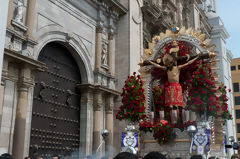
(115, 5)
(222, 30)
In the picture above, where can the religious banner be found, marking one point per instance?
(130, 142)
(201, 142)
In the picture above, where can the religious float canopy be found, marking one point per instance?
(177, 77)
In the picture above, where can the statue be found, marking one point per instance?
(173, 92)
(19, 15)
(104, 55)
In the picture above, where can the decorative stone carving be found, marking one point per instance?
(97, 104)
(19, 14)
(110, 35)
(104, 54)
(99, 29)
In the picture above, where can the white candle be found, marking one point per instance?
(152, 117)
(174, 116)
(161, 114)
(187, 115)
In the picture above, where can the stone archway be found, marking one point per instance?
(56, 105)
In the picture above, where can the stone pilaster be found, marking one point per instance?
(1, 101)
(98, 116)
(21, 113)
(4, 77)
(98, 50)
(109, 122)
(10, 14)
(86, 122)
(110, 53)
(30, 18)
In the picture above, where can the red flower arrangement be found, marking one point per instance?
(202, 91)
(146, 126)
(225, 114)
(202, 94)
(163, 131)
(133, 100)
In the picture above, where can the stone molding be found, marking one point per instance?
(99, 92)
(56, 33)
(109, 104)
(116, 7)
(19, 25)
(18, 58)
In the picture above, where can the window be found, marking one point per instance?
(238, 114)
(236, 87)
(237, 100)
(239, 139)
(233, 68)
(238, 67)
(238, 128)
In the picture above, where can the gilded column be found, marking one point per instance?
(30, 17)
(110, 53)
(97, 125)
(21, 114)
(10, 14)
(98, 50)
(109, 122)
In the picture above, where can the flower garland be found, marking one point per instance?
(133, 100)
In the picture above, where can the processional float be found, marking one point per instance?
(177, 88)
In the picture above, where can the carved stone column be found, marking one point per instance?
(4, 77)
(109, 122)
(10, 14)
(21, 113)
(98, 116)
(98, 50)
(86, 122)
(30, 17)
(110, 53)
(1, 101)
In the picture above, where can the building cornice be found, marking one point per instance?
(20, 59)
(97, 88)
(112, 5)
(229, 55)
(220, 30)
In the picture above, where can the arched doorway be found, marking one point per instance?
(56, 105)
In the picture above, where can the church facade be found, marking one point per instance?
(65, 63)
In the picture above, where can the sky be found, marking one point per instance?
(229, 11)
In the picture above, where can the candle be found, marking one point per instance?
(161, 114)
(174, 116)
(152, 117)
(187, 115)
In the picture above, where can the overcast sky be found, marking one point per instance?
(229, 11)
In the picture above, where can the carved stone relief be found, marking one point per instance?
(104, 54)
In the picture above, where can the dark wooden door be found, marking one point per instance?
(56, 105)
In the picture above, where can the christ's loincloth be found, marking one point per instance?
(173, 95)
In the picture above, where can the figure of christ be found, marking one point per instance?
(173, 92)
